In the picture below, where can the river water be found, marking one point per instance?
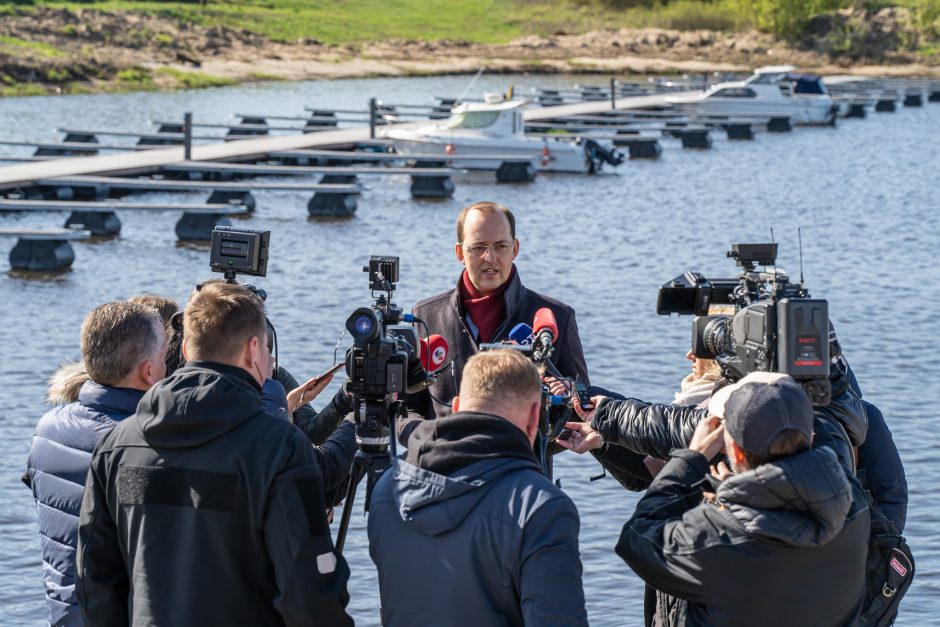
(865, 195)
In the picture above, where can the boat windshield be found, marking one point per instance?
(768, 78)
(472, 119)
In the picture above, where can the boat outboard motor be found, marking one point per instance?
(598, 155)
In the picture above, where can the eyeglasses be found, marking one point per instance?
(480, 250)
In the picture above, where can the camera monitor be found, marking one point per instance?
(242, 251)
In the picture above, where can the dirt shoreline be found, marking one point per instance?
(64, 51)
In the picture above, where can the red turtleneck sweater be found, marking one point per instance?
(486, 310)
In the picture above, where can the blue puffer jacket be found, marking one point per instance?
(57, 465)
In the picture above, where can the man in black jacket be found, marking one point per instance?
(781, 541)
(202, 508)
(488, 301)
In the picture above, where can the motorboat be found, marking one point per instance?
(772, 91)
(494, 128)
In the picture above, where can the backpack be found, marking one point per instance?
(889, 569)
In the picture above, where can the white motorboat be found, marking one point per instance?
(493, 128)
(772, 91)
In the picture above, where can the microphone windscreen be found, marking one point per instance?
(545, 321)
(433, 352)
(521, 334)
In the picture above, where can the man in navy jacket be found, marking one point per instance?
(123, 350)
(466, 530)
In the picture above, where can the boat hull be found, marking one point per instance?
(547, 156)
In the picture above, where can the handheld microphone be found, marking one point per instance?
(433, 352)
(546, 332)
(521, 334)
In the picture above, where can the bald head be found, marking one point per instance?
(504, 383)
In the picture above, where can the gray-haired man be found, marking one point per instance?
(123, 351)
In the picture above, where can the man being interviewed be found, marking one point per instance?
(488, 301)
(466, 530)
(202, 508)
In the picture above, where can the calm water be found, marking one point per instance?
(865, 195)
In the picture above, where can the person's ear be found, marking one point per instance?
(147, 372)
(515, 248)
(735, 454)
(455, 404)
(532, 424)
(458, 250)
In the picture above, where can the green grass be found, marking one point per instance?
(361, 21)
(490, 21)
(195, 80)
(19, 47)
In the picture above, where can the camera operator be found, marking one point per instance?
(202, 508)
(466, 530)
(488, 301)
(782, 541)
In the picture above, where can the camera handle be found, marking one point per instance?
(369, 462)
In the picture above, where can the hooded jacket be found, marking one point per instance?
(203, 509)
(782, 544)
(444, 314)
(56, 469)
(467, 531)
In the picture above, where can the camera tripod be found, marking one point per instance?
(375, 437)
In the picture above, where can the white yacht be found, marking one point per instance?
(772, 91)
(492, 128)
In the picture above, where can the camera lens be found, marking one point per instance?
(363, 325)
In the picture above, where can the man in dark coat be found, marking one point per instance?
(781, 541)
(202, 508)
(123, 351)
(466, 530)
(488, 301)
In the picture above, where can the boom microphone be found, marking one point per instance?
(433, 352)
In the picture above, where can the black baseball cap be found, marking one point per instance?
(761, 405)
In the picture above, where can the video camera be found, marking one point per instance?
(382, 362)
(776, 326)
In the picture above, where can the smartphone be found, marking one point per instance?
(582, 390)
(331, 371)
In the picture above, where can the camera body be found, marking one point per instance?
(776, 326)
(378, 362)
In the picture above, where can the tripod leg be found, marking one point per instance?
(356, 472)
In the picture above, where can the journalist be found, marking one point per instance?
(487, 302)
(202, 508)
(783, 538)
(466, 530)
(123, 347)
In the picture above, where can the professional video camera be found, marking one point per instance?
(776, 327)
(385, 360)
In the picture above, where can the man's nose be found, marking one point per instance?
(490, 253)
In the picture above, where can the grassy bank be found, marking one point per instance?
(499, 21)
(52, 46)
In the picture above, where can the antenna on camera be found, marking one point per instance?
(799, 234)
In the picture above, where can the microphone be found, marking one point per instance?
(433, 352)
(521, 334)
(546, 332)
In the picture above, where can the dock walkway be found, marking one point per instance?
(151, 161)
